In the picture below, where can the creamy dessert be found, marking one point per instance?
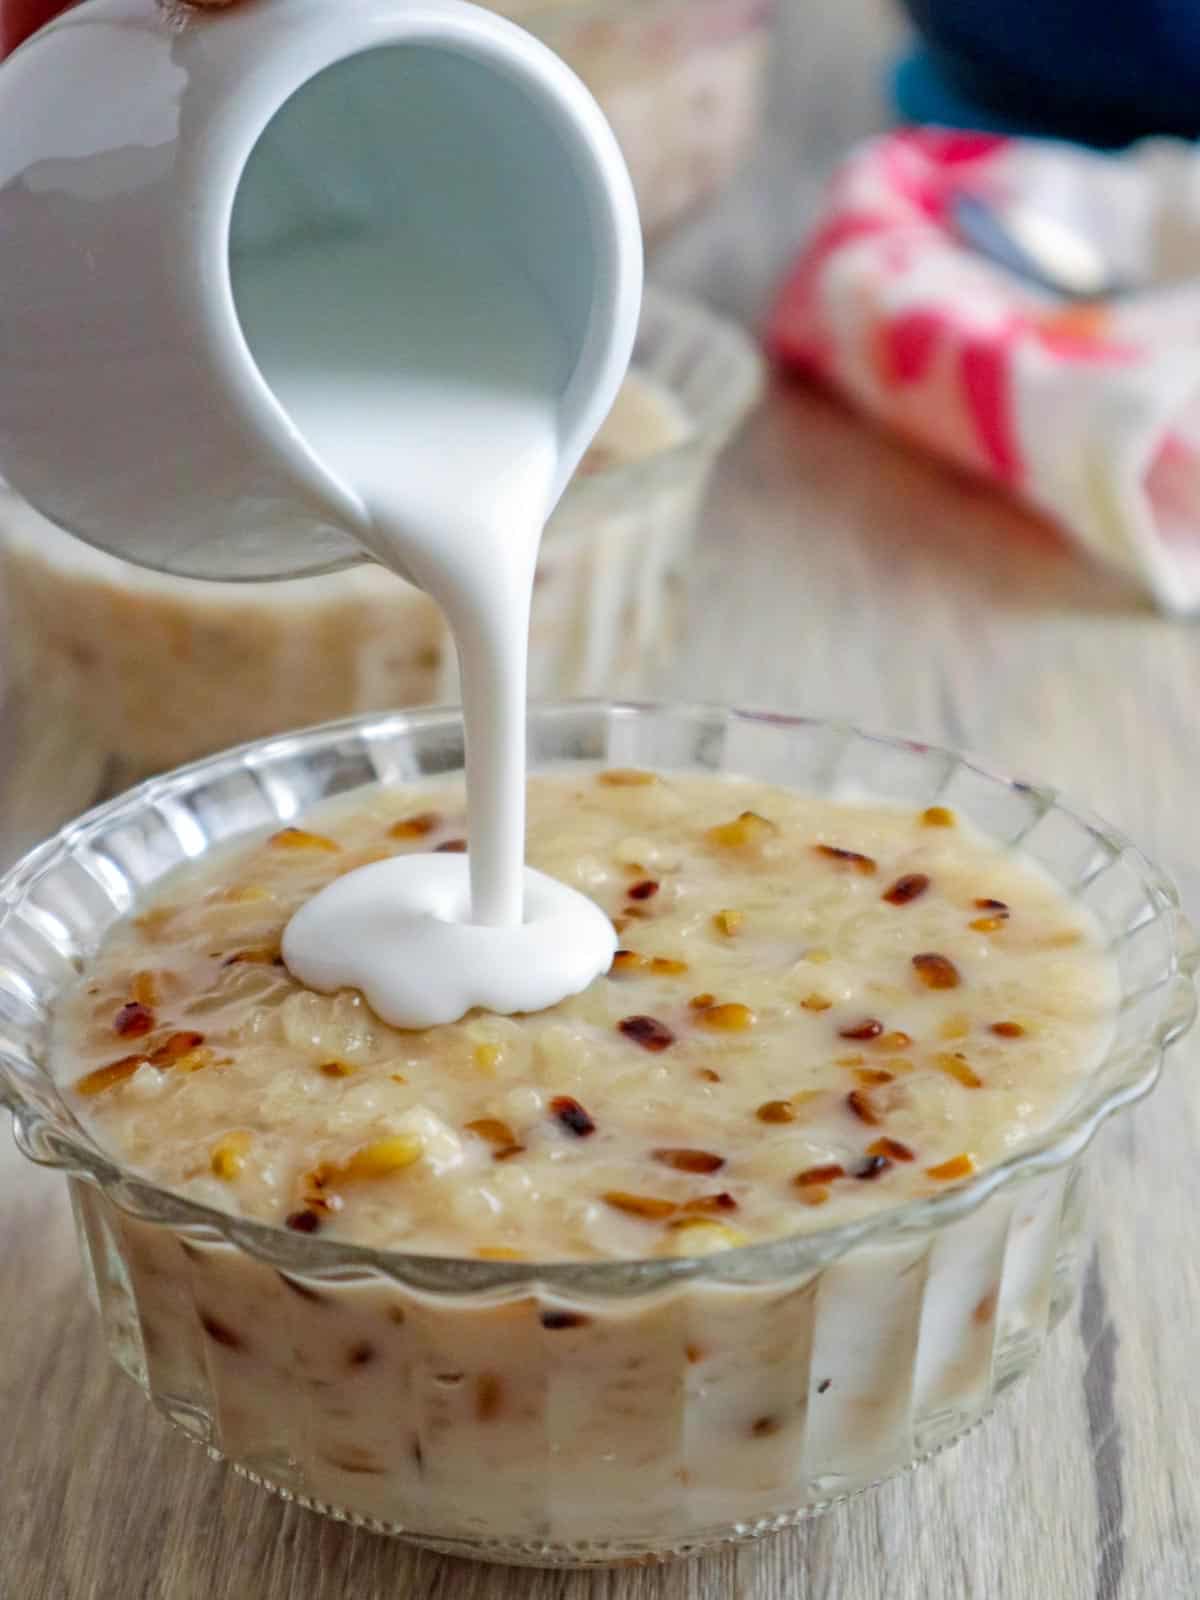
(605, 1408)
(818, 1011)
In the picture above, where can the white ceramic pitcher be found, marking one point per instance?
(144, 148)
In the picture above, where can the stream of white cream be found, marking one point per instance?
(429, 380)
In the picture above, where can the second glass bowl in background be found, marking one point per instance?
(681, 81)
(143, 672)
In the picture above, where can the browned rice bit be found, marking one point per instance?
(380, 1158)
(648, 1032)
(906, 889)
(415, 827)
(776, 1111)
(818, 1175)
(175, 1047)
(706, 1229)
(873, 1167)
(958, 1067)
(848, 858)
(893, 1042)
(892, 1149)
(492, 1131)
(868, 1028)
(957, 1167)
(938, 817)
(648, 1207)
(301, 839)
(572, 1116)
(146, 988)
(133, 1020)
(627, 961)
(683, 1160)
(936, 971)
(305, 1221)
(706, 1203)
(646, 889)
(102, 1078)
(731, 1017)
(747, 831)
(176, 1051)
(860, 1104)
(228, 1156)
(873, 1077)
(1007, 1030)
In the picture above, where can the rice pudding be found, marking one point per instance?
(818, 1011)
(602, 1408)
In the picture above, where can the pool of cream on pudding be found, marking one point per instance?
(818, 1011)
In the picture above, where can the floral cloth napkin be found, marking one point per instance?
(1088, 410)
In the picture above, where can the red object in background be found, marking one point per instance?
(1086, 410)
(20, 18)
(886, 303)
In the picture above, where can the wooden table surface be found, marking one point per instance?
(838, 574)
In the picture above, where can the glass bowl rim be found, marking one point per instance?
(63, 1144)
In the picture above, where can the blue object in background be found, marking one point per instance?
(1104, 72)
(921, 94)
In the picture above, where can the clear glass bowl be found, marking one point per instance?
(139, 672)
(681, 81)
(584, 1412)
